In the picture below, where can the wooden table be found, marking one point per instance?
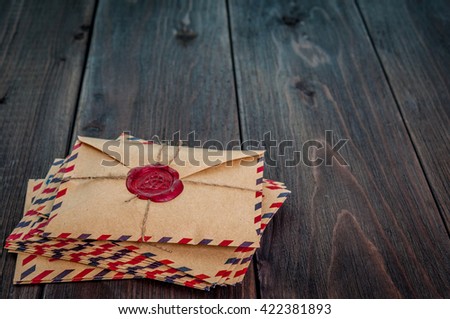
(375, 72)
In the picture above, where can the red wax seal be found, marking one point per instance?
(158, 183)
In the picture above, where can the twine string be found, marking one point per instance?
(176, 153)
(184, 181)
(144, 220)
(158, 158)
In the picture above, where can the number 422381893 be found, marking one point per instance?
(303, 309)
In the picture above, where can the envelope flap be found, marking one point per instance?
(186, 160)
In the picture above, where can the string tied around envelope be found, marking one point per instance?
(159, 159)
(144, 220)
(148, 200)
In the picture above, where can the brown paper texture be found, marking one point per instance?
(217, 204)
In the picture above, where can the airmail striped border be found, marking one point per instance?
(25, 229)
(258, 193)
(245, 258)
(138, 266)
(31, 275)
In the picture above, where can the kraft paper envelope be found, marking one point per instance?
(217, 206)
(247, 250)
(189, 257)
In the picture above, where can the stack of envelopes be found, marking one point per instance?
(90, 219)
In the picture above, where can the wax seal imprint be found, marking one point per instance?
(157, 182)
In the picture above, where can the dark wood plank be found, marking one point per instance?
(42, 51)
(156, 67)
(370, 229)
(412, 39)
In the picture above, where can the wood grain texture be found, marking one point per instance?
(373, 229)
(156, 67)
(42, 51)
(370, 229)
(412, 39)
